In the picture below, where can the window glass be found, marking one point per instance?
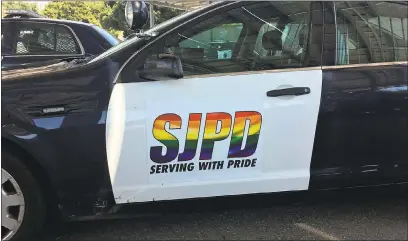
(65, 42)
(124, 44)
(371, 32)
(257, 36)
(293, 40)
(217, 43)
(113, 41)
(37, 38)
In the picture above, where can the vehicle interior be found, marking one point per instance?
(262, 40)
(35, 40)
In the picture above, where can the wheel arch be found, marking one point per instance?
(40, 174)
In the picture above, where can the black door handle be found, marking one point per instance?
(289, 91)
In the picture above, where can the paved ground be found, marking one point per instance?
(332, 216)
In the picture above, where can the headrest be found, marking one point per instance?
(272, 40)
(29, 38)
(302, 37)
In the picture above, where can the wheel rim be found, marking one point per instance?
(12, 206)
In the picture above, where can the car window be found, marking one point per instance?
(113, 41)
(256, 36)
(293, 37)
(40, 39)
(124, 44)
(371, 32)
(216, 43)
(259, 36)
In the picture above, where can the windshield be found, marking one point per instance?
(130, 41)
(109, 37)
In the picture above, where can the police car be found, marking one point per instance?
(313, 96)
(29, 38)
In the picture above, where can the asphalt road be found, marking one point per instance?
(345, 215)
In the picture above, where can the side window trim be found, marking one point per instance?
(70, 30)
(305, 68)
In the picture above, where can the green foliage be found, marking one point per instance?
(110, 3)
(18, 6)
(162, 14)
(106, 14)
(96, 12)
(89, 11)
(115, 17)
(115, 20)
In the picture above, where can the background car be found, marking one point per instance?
(28, 37)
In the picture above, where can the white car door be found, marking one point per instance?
(213, 135)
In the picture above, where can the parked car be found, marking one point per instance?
(312, 97)
(28, 37)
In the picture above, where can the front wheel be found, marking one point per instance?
(22, 206)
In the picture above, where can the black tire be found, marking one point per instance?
(35, 208)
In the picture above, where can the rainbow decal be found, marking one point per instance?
(211, 134)
(193, 132)
(217, 128)
(254, 129)
(167, 139)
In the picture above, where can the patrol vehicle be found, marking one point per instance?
(30, 39)
(306, 95)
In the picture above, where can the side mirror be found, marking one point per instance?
(136, 14)
(162, 67)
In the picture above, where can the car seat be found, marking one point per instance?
(276, 56)
(271, 42)
(30, 42)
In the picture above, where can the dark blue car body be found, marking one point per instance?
(67, 150)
